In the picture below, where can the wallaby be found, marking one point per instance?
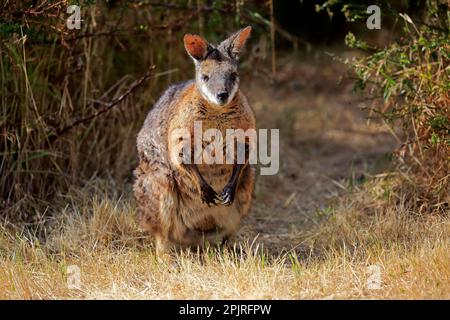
(178, 202)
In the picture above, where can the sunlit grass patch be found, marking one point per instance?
(98, 234)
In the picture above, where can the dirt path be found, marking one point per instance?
(326, 144)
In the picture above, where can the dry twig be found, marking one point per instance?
(107, 106)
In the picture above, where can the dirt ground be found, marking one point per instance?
(327, 145)
(328, 149)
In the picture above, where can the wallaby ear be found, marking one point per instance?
(196, 46)
(235, 42)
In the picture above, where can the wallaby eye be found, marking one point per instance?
(233, 76)
(205, 77)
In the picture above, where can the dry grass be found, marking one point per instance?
(52, 79)
(296, 243)
(116, 260)
(340, 219)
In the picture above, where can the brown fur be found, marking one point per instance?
(168, 193)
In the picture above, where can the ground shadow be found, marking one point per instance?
(326, 146)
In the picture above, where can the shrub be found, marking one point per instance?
(53, 78)
(411, 75)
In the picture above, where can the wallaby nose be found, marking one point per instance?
(223, 96)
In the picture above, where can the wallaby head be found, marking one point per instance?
(216, 67)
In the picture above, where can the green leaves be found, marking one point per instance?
(352, 42)
(412, 75)
(439, 122)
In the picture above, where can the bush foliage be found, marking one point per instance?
(411, 77)
(55, 82)
(53, 78)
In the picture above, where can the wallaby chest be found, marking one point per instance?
(210, 125)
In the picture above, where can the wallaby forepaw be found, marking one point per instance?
(227, 195)
(209, 196)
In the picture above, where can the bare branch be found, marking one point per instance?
(107, 106)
